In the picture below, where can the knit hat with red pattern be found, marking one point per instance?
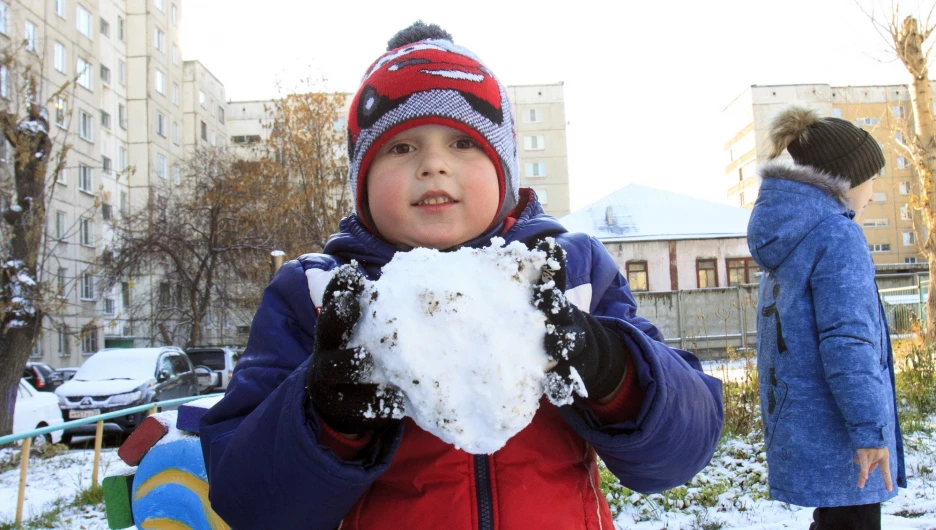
(424, 78)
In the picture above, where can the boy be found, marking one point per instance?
(434, 164)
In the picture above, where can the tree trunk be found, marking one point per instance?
(20, 290)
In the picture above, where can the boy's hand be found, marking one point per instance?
(336, 380)
(869, 460)
(589, 360)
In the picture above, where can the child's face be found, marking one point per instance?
(432, 186)
(860, 196)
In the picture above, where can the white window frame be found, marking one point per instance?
(121, 72)
(533, 115)
(203, 99)
(159, 4)
(89, 339)
(174, 14)
(86, 178)
(61, 280)
(879, 197)
(161, 166)
(122, 159)
(905, 213)
(903, 163)
(61, 225)
(159, 39)
(160, 124)
(175, 54)
(175, 93)
(120, 28)
(4, 81)
(85, 126)
(122, 116)
(29, 35)
(176, 133)
(534, 169)
(904, 187)
(4, 10)
(83, 70)
(159, 81)
(105, 120)
(176, 174)
(105, 28)
(60, 59)
(535, 142)
(899, 112)
(60, 8)
(909, 239)
(110, 306)
(86, 232)
(83, 21)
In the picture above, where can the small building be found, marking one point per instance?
(664, 241)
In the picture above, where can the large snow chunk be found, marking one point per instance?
(457, 333)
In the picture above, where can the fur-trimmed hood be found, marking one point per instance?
(792, 201)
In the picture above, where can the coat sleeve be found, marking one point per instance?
(266, 465)
(850, 338)
(677, 429)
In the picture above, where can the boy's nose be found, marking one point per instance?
(433, 162)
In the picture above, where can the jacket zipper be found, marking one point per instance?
(483, 493)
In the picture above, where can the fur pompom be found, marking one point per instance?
(417, 32)
(789, 125)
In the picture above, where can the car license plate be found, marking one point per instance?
(76, 414)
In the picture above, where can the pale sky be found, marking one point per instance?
(645, 81)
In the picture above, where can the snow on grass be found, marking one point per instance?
(53, 483)
(427, 323)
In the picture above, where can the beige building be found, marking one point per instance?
(884, 111)
(541, 138)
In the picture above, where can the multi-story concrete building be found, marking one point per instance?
(541, 138)
(126, 96)
(884, 111)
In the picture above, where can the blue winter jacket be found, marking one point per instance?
(265, 464)
(824, 358)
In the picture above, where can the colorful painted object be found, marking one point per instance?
(117, 501)
(143, 438)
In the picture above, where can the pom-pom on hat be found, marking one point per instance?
(831, 145)
(425, 78)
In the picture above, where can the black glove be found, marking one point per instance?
(574, 339)
(336, 380)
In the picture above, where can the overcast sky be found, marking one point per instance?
(645, 81)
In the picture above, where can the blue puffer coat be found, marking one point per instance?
(268, 469)
(824, 358)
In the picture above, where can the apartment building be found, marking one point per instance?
(884, 111)
(127, 96)
(541, 138)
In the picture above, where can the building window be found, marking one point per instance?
(122, 161)
(60, 8)
(910, 260)
(60, 226)
(124, 204)
(909, 238)
(29, 36)
(161, 166)
(159, 81)
(83, 22)
(105, 28)
(64, 350)
(89, 340)
(109, 308)
(204, 131)
(706, 273)
(85, 179)
(202, 99)
(86, 229)
(62, 176)
(120, 28)
(158, 4)
(175, 93)
(159, 40)
(84, 73)
(904, 187)
(542, 194)
(160, 124)
(105, 120)
(875, 222)
(107, 213)
(176, 174)
(175, 55)
(899, 112)
(85, 126)
(105, 74)
(535, 169)
(107, 166)
(637, 275)
(176, 133)
(220, 114)
(867, 121)
(121, 72)
(742, 271)
(59, 57)
(899, 137)
(122, 116)
(902, 163)
(879, 197)
(534, 143)
(3, 18)
(905, 213)
(125, 294)
(61, 280)
(4, 81)
(533, 115)
(212, 138)
(880, 247)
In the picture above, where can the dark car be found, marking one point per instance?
(120, 378)
(42, 377)
(67, 372)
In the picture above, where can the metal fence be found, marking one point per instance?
(905, 308)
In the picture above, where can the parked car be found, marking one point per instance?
(213, 366)
(42, 376)
(34, 410)
(119, 378)
(67, 373)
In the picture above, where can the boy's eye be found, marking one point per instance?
(401, 149)
(465, 143)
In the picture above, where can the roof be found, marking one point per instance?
(130, 353)
(641, 213)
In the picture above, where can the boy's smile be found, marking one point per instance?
(432, 186)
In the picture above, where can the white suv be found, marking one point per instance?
(214, 366)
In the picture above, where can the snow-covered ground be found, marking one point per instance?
(735, 479)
